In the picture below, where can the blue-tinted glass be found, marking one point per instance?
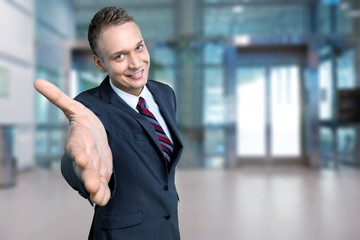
(326, 90)
(326, 142)
(346, 70)
(41, 142)
(346, 144)
(257, 20)
(214, 101)
(213, 54)
(162, 56)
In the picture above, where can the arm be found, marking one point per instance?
(87, 153)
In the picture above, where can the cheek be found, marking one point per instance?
(146, 56)
(118, 68)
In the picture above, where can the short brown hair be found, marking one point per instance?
(104, 18)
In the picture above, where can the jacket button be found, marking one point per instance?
(167, 217)
(165, 187)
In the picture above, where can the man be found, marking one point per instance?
(123, 144)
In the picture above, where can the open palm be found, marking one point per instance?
(87, 143)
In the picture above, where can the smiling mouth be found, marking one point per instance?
(136, 75)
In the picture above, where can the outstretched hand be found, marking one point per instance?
(87, 143)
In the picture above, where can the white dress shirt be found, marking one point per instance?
(132, 101)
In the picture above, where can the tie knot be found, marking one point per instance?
(141, 104)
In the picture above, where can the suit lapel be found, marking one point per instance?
(110, 96)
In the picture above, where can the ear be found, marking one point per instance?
(99, 64)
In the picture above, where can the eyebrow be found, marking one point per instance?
(125, 51)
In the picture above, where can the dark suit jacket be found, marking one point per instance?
(144, 199)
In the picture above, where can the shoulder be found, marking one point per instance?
(158, 87)
(95, 94)
(89, 97)
(162, 92)
(89, 92)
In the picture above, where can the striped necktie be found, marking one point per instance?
(165, 143)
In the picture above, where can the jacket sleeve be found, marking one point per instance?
(68, 172)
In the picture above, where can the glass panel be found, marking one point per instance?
(214, 102)
(326, 90)
(346, 139)
(214, 147)
(250, 114)
(344, 23)
(213, 54)
(346, 136)
(56, 146)
(42, 106)
(326, 143)
(323, 19)
(285, 111)
(165, 75)
(163, 60)
(163, 56)
(45, 111)
(274, 19)
(346, 70)
(162, 18)
(41, 138)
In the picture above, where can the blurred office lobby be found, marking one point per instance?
(268, 103)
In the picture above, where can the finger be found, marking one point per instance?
(102, 196)
(91, 180)
(81, 159)
(57, 97)
(98, 190)
(104, 173)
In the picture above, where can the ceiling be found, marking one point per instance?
(160, 19)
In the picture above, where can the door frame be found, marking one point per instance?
(233, 58)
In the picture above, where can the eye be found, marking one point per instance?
(119, 57)
(140, 47)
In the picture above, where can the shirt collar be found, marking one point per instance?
(130, 99)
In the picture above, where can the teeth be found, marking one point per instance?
(137, 74)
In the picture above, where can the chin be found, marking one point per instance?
(140, 84)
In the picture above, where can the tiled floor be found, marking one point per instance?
(245, 204)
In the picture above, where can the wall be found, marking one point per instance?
(55, 24)
(33, 33)
(16, 75)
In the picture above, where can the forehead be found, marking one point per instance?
(121, 37)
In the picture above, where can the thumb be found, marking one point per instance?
(57, 97)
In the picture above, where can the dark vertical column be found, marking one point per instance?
(189, 86)
(312, 140)
(7, 162)
(230, 92)
(356, 32)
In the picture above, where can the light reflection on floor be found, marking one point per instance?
(248, 204)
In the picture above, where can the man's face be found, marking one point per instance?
(124, 57)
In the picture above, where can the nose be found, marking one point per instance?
(134, 61)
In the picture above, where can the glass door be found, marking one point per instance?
(250, 114)
(285, 105)
(268, 110)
